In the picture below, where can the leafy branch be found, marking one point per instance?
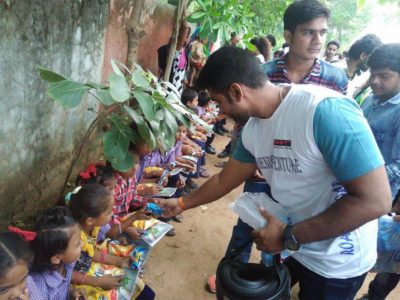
(137, 97)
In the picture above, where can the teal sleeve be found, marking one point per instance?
(242, 154)
(345, 139)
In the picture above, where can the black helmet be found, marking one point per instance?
(237, 280)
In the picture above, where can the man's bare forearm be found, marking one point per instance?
(210, 191)
(345, 215)
(233, 174)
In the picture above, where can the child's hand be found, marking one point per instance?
(124, 262)
(76, 294)
(133, 233)
(180, 184)
(139, 215)
(146, 190)
(24, 295)
(122, 240)
(109, 282)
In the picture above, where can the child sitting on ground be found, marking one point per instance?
(56, 248)
(190, 99)
(104, 175)
(15, 257)
(92, 206)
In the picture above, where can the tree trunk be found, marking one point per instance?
(135, 22)
(174, 40)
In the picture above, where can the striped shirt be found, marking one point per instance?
(125, 196)
(49, 285)
(321, 73)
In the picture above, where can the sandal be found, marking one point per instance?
(171, 232)
(204, 173)
(211, 284)
(177, 218)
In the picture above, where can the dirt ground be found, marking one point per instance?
(179, 266)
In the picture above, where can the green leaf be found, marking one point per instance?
(146, 103)
(170, 120)
(136, 117)
(116, 69)
(105, 97)
(197, 15)
(124, 165)
(151, 141)
(159, 115)
(202, 5)
(67, 93)
(119, 89)
(140, 122)
(50, 76)
(94, 85)
(139, 80)
(250, 46)
(115, 145)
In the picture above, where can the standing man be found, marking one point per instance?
(326, 233)
(306, 25)
(331, 52)
(356, 63)
(382, 110)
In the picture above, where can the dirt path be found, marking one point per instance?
(179, 266)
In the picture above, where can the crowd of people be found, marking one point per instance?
(317, 134)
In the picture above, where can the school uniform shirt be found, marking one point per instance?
(384, 119)
(125, 196)
(49, 285)
(315, 139)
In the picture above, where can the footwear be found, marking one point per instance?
(178, 218)
(220, 164)
(210, 150)
(219, 132)
(223, 154)
(204, 173)
(171, 232)
(186, 190)
(211, 284)
(192, 185)
(224, 129)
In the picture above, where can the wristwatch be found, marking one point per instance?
(289, 241)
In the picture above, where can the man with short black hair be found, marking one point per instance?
(331, 52)
(290, 138)
(356, 64)
(305, 25)
(382, 110)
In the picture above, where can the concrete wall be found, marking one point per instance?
(37, 136)
(77, 39)
(158, 32)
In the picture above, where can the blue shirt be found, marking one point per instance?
(50, 285)
(384, 119)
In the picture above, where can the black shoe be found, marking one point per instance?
(192, 185)
(210, 150)
(224, 129)
(219, 132)
(223, 154)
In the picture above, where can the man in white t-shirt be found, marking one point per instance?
(309, 142)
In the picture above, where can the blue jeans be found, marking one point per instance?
(382, 285)
(316, 287)
(241, 233)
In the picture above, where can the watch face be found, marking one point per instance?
(292, 245)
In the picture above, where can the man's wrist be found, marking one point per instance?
(181, 203)
(290, 241)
